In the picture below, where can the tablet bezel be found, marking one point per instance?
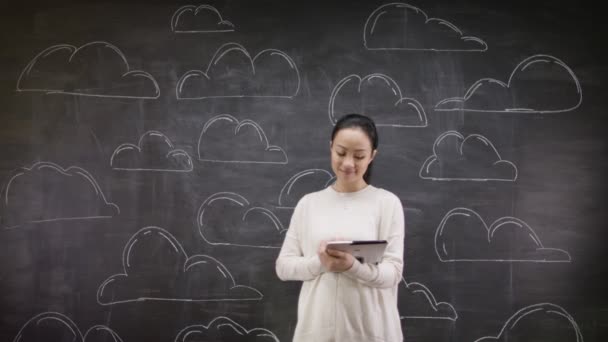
(366, 251)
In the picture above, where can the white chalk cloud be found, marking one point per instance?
(46, 192)
(156, 267)
(53, 326)
(400, 26)
(153, 152)
(199, 19)
(227, 218)
(463, 235)
(224, 329)
(538, 84)
(416, 301)
(378, 96)
(301, 183)
(538, 322)
(473, 158)
(232, 72)
(225, 139)
(97, 69)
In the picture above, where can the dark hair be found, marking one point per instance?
(365, 124)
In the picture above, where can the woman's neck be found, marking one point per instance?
(339, 187)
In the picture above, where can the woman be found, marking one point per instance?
(342, 299)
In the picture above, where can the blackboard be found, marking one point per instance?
(152, 154)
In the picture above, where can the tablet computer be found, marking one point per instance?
(366, 251)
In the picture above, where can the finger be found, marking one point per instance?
(330, 252)
(336, 253)
(322, 246)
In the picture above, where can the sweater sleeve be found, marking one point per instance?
(389, 271)
(291, 263)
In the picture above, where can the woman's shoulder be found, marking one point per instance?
(386, 195)
(312, 196)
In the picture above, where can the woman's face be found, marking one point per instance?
(351, 153)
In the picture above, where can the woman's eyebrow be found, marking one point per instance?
(356, 150)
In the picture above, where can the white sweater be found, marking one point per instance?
(359, 304)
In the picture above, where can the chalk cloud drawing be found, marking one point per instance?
(378, 96)
(302, 183)
(232, 72)
(399, 26)
(473, 158)
(53, 326)
(96, 69)
(463, 235)
(538, 322)
(46, 192)
(227, 218)
(538, 84)
(153, 152)
(199, 19)
(157, 268)
(224, 329)
(417, 302)
(225, 139)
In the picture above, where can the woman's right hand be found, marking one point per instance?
(334, 260)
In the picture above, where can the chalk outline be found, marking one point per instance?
(439, 21)
(396, 91)
(433, 158)
(74, 50)
(548, 307)
(221, 51)
(242, 202)
(239, 125)
(526, 62)
(240, 329)
(137, 147)
(493, 227)
(181, 10)
(431, 300)
(287, 187)
(69, 323)
(190, 261)
(103, 327)
(77, 170)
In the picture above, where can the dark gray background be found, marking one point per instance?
(561, 158)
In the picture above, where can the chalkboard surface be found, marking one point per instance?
(152, 154)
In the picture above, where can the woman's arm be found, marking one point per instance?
(389, 271)
(291, 263)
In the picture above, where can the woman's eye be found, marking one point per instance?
(359, 157)
(341, 154)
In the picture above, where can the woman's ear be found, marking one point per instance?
(373, 155)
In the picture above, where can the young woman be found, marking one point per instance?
(342, 299)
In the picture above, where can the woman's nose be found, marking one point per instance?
(349, 162)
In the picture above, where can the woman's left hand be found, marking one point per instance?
(334, 260)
